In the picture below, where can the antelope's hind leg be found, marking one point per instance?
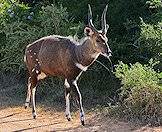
(33, 90)
(32, 83)
(67, 94)
(28, 97)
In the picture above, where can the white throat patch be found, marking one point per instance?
(95, 55)
(80, 66)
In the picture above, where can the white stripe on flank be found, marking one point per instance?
(37, 71)
(33, 69)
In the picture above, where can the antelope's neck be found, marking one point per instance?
(86, 53)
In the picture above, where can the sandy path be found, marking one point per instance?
(14, 118)
(18, 119)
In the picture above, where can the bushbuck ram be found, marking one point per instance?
(60, 56)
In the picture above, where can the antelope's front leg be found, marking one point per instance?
(67, 94)
(79, 100)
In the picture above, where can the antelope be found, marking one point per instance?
(60, 56)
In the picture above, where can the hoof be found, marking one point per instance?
(82, 122)
(26, 105)
(82, 118)
(68, 117)
(34, 115)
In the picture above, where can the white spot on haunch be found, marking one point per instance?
(80, 66)
(37, 71)
(34, 53)
(31, 56)
(41, 76)
(36, 59)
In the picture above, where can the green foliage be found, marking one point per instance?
(127, 33)
(131, 39)
(131, 45)
(150, 40)
(154, 4)
(141, 95)
(21, 25)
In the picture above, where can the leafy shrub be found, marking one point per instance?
(141, 95)
(127, 34)
(21, 25)
(150, 41)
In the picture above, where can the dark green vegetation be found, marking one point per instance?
(140, 94)
(135, 36)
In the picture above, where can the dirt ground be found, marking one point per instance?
(17, 119)
(14, 118)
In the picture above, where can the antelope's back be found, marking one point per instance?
(53, 55)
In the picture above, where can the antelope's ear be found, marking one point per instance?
(88, 31)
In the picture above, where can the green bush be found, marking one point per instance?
(21, 25)
(140, 94)
(127, 34)
(150, 41)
